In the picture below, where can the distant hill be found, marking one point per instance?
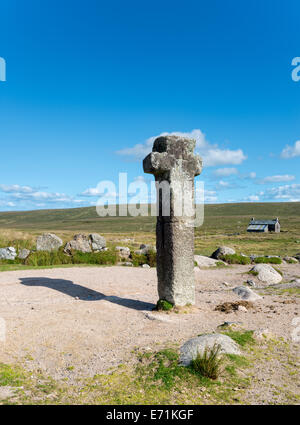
(219, 218)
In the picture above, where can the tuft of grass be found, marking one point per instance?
(140, 259)
(12, 376)
(102, 258)
(241, 338)
(208, 364)
(268, 260)
(163, 305)
(55, 258)
(44, 258)
(235, 259)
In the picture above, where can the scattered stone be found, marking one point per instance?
(242, 308)
(191, 348)
(8, 253)
(146, 266)
(97, 241)
(222, 250)
(127, 264)
(48, 242)
(226, 284)
(203, 261)
(23, 254)
(246, 293)
(173, 163)
(159, 317)
(297, 256)
(78, 243)
(266, 273)
(229, 324)
(251, 283)
(123, 251)
(229, 307)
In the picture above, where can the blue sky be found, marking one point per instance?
(90, 83)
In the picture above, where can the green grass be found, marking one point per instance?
(208, 364)
(156, 377)
(224, 224)
(267, 260)
(12, 376)
(235, 259)
(164, 305)
(243, 338)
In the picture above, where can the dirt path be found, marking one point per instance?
(90, 319)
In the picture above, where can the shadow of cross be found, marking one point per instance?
(74, 290)
(174, 166)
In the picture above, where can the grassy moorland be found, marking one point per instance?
(224, 224)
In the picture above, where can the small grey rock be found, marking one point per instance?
(123, 251)
(8, 253)
(266, 273)
(191, 348)
(48, 242)
(78, 243)
(23, 254)
(222, 250)
(97, 241)
(251, 282)
(246, 293)
(146, 266)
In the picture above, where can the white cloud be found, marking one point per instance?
(277, 179)
(225, 172)
(287, 192)
(291, 151)
(15, 188)
(252, 198)
(28, 196)
(7, 203)
(212, 154)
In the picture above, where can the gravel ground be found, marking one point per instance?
(90, 319)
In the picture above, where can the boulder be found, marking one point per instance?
(48, 242)
(78, 243)
(192, 347)
(123, 251)
(97, 241)
(222, 250)
(203, 261)
(23, 254)
(8, 253)
(297, 256)
(266, 273)
(246, 293)
(291, 259)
